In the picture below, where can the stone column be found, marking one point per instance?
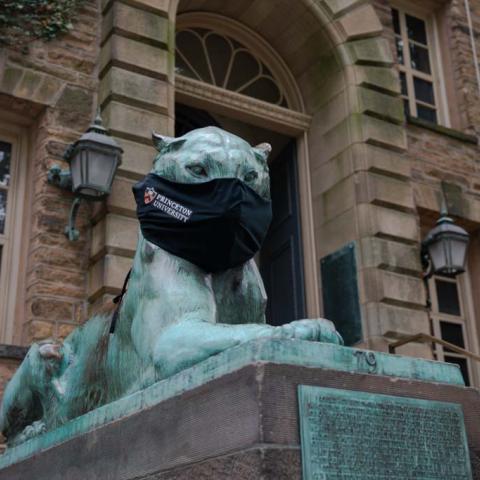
(361, 180)
(135, 98)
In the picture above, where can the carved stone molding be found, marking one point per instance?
(257, 112)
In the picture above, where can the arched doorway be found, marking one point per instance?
(210, 56)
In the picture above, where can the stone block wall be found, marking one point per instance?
(54, 88)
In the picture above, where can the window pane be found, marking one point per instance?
(183, 69)
(406, 107)
(462, 363)
(403, 84)
(425, 113)
(5, 153)
(220, 53)
(420, 59)
(263, 89)
(416, 29)
(396, 21)
(3, 210)
(191, 47)
(453, 333)
(245, 67)
(447, 295)
(424, 91)
(399, 45)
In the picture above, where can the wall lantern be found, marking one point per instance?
(94, 159)
(444, 249)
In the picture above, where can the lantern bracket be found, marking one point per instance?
(426, 263)
(60, 178)
(70, 231)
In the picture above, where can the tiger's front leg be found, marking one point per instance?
(191, 341)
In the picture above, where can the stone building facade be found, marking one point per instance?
(373, 111)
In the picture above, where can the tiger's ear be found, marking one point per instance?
(262, 151)
(166, 144)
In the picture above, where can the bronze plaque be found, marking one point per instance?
(358, 436)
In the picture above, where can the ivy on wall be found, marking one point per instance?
(22, 21)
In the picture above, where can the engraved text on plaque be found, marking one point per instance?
(356, 435)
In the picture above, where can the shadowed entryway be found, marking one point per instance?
(280, 260)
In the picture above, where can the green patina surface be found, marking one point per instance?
(359, 436)
(173, 315)
(292, 352)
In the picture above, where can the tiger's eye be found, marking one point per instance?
(198, 170)
(251, 176)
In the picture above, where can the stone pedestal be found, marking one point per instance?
(235, 416)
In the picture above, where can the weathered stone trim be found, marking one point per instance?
(103, 292)
(132, 102)
(293, 121)
(389, 255)
(370, 52)
(32, 85)
(449, 132)
(137, 56)
(397, 239)
(158, 7)
(119, 252)
(131, 68)
(14, 352)
(361, 22)
(135, 23)
(378, 78)
(107, 275)
(338, 8)
(133, 36)
(128, 136)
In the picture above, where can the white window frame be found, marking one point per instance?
(428, 15)
(464, 319)
(11, 240)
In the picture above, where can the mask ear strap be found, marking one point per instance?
(118, 301)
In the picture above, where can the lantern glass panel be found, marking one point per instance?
(459, 250)
(437, 255)
(100, 168)
(75, 168)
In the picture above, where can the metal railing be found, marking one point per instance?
(426, 338)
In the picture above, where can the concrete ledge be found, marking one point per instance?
(294, 353)
(449, 132)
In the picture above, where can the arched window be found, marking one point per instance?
(211, 57)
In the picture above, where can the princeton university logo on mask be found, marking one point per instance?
(167, 205)
(149, 195)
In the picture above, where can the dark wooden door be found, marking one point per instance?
(281, 259)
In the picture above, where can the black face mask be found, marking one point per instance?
(216, 225)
